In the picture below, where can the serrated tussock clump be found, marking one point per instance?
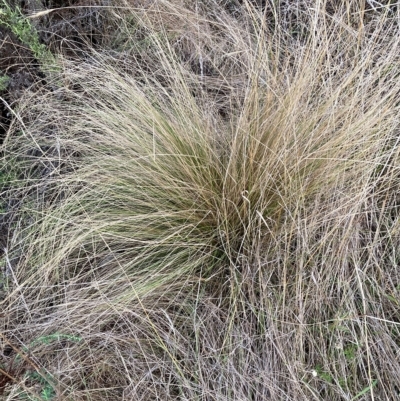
(211, 207)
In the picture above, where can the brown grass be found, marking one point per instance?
(210, 210)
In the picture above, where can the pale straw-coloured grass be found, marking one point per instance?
(219, 225)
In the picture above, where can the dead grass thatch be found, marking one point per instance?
(210, 210)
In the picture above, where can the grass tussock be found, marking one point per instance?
(209, 210)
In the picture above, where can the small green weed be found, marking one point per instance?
(4, 80)
(45, 381)
(53, 337)
(350, 352)
(323, 374)
(28, 35)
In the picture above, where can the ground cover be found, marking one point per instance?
(200, 201)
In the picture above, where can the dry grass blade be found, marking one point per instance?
(211, 208)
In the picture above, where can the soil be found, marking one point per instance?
(16, 62)
(67, 30)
